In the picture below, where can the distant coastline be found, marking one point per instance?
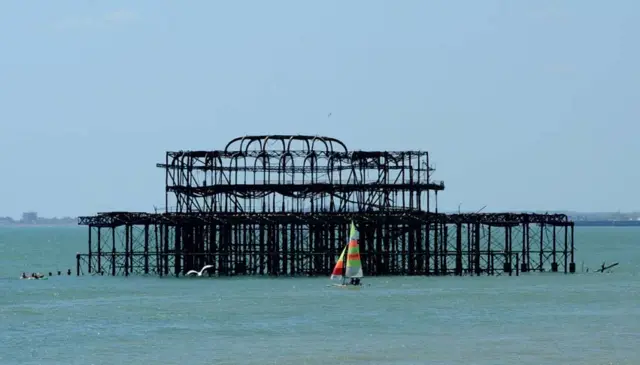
(604, 219)
(59, 223)
(31, 219)
(614, 223)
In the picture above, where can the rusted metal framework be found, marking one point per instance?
(296, 174)
(281, 205)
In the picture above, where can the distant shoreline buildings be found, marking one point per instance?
(32, 219)
(616, 219)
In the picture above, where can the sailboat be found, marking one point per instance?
(353, 269)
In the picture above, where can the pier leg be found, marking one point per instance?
(177, 250)
(146, 249)
(458, 249)
(476, 248)
(158, 240)
(572, 265)
(525, 243)
(554, 263)
(100, 268)
(541, 253)
(436, 251)
(469, 229)
(565, 252)
(491, 269)
(411, 252)
(165, 254)
(89, 253)
(427, 245)
(127, 249)
(445, 251)
(506, 267)
(113, 251)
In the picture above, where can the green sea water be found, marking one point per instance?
(535, 319)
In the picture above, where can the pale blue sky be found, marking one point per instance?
(522, 104)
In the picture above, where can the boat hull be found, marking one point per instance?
(343, 286)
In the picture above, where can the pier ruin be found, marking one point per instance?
(282, 205)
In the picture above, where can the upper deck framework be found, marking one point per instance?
(296, 174)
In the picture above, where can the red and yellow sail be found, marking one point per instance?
(353, 268)
(339, 268)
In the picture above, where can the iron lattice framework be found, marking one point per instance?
(261, 206)
(269, 174)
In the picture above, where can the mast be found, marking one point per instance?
(344, 264)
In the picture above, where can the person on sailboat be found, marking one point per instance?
(355, 281)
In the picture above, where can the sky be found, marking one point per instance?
(523, 105)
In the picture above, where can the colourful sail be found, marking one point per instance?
(354, 265)
(337, 270)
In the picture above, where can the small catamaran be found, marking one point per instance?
(353, 269)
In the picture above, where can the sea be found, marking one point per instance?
(544, 318)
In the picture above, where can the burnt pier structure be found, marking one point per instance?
(282, 205)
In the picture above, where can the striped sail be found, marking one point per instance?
(337, 270)
(353, 268)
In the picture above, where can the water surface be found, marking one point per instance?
(532, 319)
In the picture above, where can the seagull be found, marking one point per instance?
(198, 273)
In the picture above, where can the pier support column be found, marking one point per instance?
(113, 252)
(565, 252)
(572, 265)
(524, 265)
(127, 249)
(99, 268)
(146, 249)
(507, 267)
(476, 248)
(458, 249)
(90, 252)
(554, 263)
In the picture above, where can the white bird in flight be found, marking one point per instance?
(199, 273)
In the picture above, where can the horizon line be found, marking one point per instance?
(446, 211)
